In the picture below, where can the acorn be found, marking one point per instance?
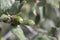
(29, 22)
(4, 18)
(17, 20)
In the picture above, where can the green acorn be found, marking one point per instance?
(29, 22)
(4, 18)
(17, 20)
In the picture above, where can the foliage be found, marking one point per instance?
(29, 19)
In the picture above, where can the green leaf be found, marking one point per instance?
(19, 33)
(2, 38)
(53, 2)
(6, 4)
(4, 28)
